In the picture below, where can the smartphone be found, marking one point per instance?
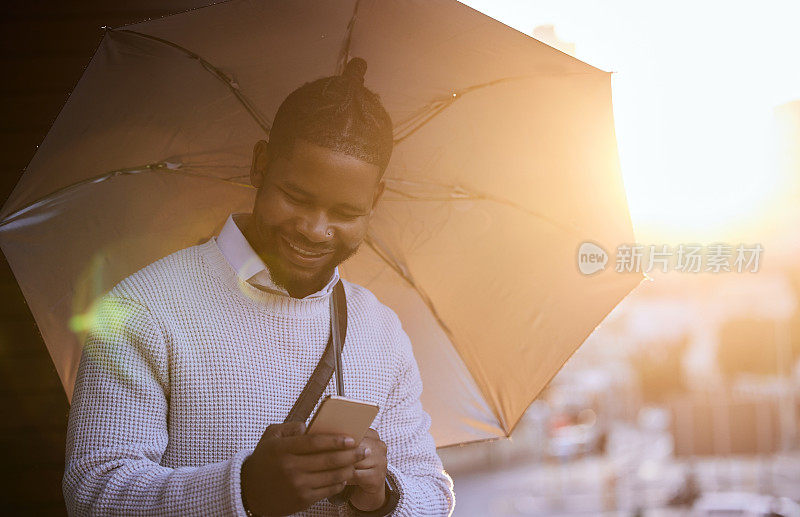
(341, 415)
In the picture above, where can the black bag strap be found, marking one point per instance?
(330, 361)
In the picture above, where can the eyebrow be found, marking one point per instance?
(346, 206)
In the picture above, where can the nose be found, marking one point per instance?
(314, 226)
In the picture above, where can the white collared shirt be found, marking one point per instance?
(248, 265)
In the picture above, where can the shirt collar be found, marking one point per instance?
(248, 265)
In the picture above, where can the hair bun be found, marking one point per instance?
(355, 70)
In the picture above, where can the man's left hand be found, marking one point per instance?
(370, 474)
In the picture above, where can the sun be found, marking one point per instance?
(695, 86)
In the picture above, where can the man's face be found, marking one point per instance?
(311, 212)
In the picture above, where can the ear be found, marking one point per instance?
(378, 193)
(262, 155)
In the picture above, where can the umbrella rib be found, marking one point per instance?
(216, 72)
(429, 116)
(411, 125)
(410, 281)
(151, 167)
(460, 194)
(397, 268)
(345, 53)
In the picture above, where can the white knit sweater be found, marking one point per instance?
(186, 366)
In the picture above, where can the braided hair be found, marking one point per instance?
(338, 113)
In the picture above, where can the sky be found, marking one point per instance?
(695, 86)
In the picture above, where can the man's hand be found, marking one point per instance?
(289, 470)
(370, 474)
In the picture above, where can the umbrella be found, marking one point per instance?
(505, 164)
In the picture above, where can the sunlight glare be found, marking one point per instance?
(694, 89)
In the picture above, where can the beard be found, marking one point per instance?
(298, 281)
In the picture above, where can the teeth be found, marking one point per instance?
(303, 251)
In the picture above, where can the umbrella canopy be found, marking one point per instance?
(505, 163)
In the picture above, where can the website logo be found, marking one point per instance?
(591, 258)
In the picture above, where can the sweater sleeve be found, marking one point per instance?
(117, 430)
(425, 488)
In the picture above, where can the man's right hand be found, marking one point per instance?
(290, 470)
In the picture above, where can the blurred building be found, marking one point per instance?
(723, 424)
(787, 121)
(787, 157)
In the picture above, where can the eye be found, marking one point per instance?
(294, 199)
(345, 216)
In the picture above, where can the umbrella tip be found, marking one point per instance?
(355, 69)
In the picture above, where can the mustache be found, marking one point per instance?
(304, 243)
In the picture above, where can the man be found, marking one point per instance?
(191, 358)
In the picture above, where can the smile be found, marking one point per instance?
(302, 256)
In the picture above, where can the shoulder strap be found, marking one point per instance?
(331, 361)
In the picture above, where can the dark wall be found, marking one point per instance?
(44, 47)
